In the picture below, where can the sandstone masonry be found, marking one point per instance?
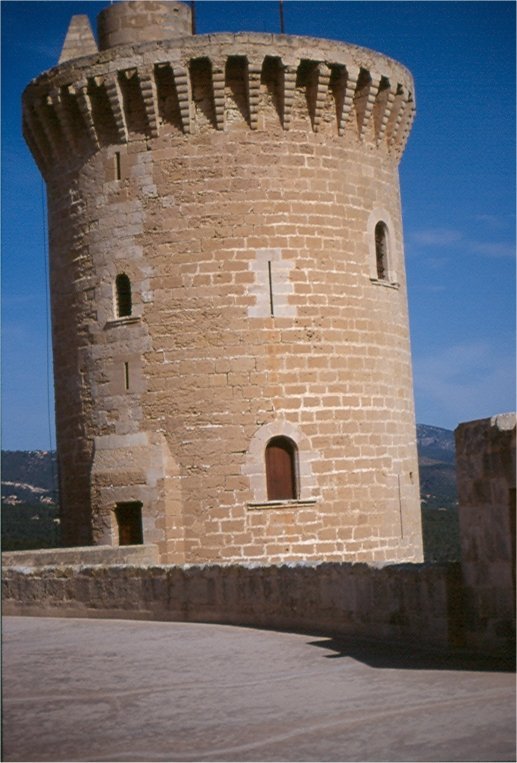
(230, 328)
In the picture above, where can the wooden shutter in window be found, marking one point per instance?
(280, 470)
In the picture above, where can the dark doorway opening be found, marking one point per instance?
(129, 521)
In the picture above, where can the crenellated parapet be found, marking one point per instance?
(215, 82)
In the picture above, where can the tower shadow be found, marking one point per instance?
(403, 657)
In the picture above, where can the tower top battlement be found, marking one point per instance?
(84, 103)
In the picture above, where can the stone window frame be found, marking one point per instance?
(116, 319)
(390, 278)
(255, 467)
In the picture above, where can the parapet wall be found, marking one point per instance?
(412, 603)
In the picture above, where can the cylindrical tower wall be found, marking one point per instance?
(238, 181)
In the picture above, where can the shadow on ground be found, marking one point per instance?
(401, 657)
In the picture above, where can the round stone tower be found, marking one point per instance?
(231, 350)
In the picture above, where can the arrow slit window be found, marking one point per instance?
(381, 250)
(123, 302)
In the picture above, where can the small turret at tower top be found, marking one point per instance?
(126, 23)
(133, 22)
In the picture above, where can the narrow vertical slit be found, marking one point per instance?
(400, 507)
(270, 279)
(117, 165)
(126, 375)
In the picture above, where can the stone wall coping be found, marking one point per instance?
(502, 421)
(81, 555)
(13, 560)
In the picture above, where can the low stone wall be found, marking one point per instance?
(82, 555)
(412, 603)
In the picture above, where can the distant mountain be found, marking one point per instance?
(439, 498)
(435, 443)
(29, 500)
(436, 459)
(29, 476)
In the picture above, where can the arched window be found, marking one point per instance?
(281, 469)
(123, 295)
(381, 250)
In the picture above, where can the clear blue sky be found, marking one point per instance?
(457, 175)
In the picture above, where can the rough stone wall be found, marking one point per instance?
(237, 180)
(485, 457)
(416, 604)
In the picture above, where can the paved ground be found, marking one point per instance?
(112, 690)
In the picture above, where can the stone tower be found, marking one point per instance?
(230, 328)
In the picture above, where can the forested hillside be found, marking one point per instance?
(439, 499)
(29, 500)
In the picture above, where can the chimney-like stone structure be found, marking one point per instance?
(485, 465)
(230, 326)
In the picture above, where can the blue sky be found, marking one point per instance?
(458, 193)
